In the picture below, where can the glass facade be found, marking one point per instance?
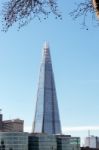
(53, 142)
(13, 141)
(42, 142)
(68, 143)
(47, 114)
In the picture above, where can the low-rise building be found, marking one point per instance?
(92, 142)
(53, 142)
(66, 142)
(14, 125)
(13, 141)
(42, 142)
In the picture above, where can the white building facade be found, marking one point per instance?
(92, 142)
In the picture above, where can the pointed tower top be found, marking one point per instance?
(46, 45)
(46, 52)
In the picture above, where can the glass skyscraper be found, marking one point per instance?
(47, 114)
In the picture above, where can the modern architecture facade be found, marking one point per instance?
(46, 133)
(92, 142)
(53, 142)
(47, 118)
(66, 142)
(42, 142)
(14, 125)
(13, 141)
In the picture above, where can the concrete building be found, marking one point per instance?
(92, 142)
(13, 141)
(15, 125)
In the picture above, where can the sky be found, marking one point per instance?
(75, 58)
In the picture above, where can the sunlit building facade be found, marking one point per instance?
(14, 125)
(42, 142)
(91, 141)
(13, 141)
(47, 118)
(53, 142)
(66, 142)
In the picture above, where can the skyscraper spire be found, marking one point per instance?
(47, 114)
(46, 53)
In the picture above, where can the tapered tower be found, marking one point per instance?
(47, 114)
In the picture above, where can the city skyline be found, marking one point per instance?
(75, 56)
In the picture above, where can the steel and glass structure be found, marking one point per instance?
(42, 142)
(13, 141)
(47, 118)
(53, 142)
(66, 142)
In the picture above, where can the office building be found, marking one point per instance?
(53, 142)
(66, 142)
(46, 133)
(92, 142)
(47, 118)
(14, 125)
(42, 142)
(13, 141)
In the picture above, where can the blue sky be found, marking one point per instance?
(75, 57)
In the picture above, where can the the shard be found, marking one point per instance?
(47, 114)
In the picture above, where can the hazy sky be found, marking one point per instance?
(75, 57)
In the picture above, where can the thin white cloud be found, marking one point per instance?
(80, 128)
(70, 129)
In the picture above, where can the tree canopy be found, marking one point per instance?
(23, 11)
(84, 8)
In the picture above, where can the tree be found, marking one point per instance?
(23, 11)
(87, 7)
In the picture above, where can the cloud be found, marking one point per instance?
(80, 128)
(69, 129)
